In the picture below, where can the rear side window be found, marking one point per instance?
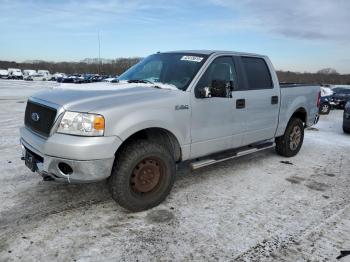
(257, 72)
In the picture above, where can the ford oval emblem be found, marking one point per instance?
(35, 117)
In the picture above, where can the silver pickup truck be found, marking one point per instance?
(197, 106)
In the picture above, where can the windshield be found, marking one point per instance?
(177, 69)
(342, 90)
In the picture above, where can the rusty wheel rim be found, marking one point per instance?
(147, 175)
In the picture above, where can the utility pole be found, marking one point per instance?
(99, 53)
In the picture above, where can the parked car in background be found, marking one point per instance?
(326, 100)
(57, 75)
(113, 79)
(340, 96)
(45, 74)
(15, 73)
(97, 78)
(4, 73)
(37, 77)
(27, 73)
(68, 79)
(346, 118)
(87, 78)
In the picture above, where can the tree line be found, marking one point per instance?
(314, 78)
(119, 65)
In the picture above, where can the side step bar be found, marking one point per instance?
(220, 157)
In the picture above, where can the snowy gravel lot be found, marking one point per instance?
(260, 207)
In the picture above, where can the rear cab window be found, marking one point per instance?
(257, 73)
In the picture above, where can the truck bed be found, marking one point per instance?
(289, 85)
(294, 96)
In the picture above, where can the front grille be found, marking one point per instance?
(44, 115)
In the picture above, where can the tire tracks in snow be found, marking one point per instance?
(270, 248)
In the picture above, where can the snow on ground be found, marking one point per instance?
(19, 89)
(260, 207)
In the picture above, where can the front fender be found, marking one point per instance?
(176, 122)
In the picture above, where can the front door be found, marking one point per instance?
(216, 123)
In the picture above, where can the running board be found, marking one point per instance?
(220, 157)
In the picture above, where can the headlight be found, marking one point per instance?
(82, 124)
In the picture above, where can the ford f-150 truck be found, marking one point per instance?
(202, 107)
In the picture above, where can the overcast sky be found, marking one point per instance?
(298, 35)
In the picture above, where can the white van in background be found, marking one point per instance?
(28, 73)
(15, 73)
(4, 73)
(45, 74)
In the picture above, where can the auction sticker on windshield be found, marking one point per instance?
(197, 59)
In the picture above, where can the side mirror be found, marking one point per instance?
(204, 92)
(220, 88)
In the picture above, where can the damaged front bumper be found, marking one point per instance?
(66, 170)
(69, 159)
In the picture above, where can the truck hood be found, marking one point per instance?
(87, 97)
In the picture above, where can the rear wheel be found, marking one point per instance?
(142, 176)
(346, 130)
(290, 143)
(325, 109)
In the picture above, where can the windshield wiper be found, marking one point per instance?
(144, 81)
(141, 81)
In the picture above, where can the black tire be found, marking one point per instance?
(286, 145)
(346, 130)
(131, 166)
(325, 108)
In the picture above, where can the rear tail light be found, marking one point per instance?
(319, 99)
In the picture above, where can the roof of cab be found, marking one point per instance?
(210, 52)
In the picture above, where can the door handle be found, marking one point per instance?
(240, 103)
(274, 100)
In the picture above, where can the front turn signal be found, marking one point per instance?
(99, 122)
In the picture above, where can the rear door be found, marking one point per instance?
(262, 100)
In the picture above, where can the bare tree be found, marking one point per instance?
(328, 71)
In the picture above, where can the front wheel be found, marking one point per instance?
(325, 109)
(142, 176)
(290, 143)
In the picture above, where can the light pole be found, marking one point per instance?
(99, 53)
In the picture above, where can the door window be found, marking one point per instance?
(221, 69)
(257, 72)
